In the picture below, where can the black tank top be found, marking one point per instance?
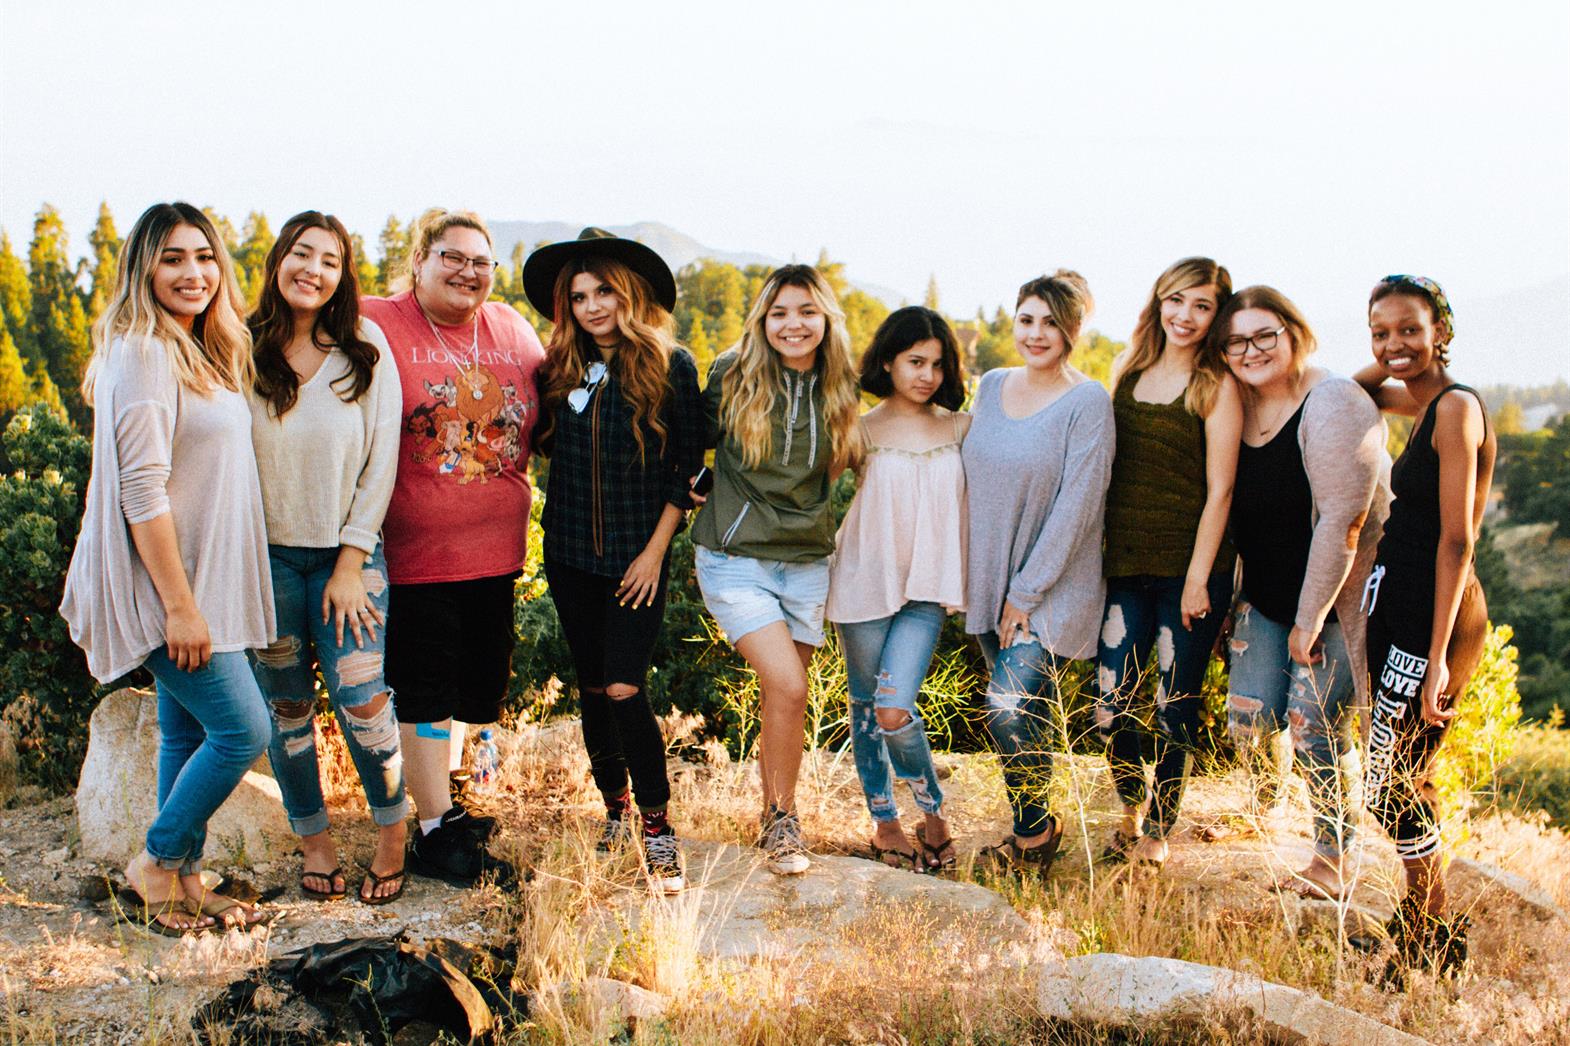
(1273, 522)
(1411, 536)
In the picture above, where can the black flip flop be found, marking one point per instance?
(324, 895)
(934, 856)
(376, 880)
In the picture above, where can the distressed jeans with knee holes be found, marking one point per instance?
(1144, 615)
(1024, 705)
(1269, 692)
(885, 663)
(286, 673)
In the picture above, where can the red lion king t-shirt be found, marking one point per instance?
(460, 504)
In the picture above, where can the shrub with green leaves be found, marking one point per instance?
(46, 693)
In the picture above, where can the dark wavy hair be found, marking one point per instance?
(337, 322)
(898, 332)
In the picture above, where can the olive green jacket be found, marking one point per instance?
(778, 509)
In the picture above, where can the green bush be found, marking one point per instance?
(1537, 775)
(1484, 732)
(46, 693)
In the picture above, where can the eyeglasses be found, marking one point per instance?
(456, 260)
(577, 399)
(1264, 341)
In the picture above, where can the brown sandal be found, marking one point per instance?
(1009, 856)
(906, 859)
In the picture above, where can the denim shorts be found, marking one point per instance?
(746, 594)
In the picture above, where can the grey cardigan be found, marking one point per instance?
(1342, 438)
(1037, 493)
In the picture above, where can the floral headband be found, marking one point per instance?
(1435, 294)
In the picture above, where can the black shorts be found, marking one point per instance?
(610, 643)
(449, 649)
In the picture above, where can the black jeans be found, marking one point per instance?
(612, 644)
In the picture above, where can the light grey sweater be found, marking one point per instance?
(327, 467)
(159, 448)
(1037, 492)
(1342, 438)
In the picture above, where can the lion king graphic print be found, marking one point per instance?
(460, 504)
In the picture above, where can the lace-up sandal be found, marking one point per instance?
(1009, 856)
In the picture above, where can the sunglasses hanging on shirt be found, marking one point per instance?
(578, 399)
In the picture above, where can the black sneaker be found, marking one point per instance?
(615, 833)
(1422, 942)
(662, 860)
(459, 787)
(453, 852)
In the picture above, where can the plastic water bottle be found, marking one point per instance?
(483, 771)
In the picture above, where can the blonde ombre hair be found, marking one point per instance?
(1067, 297)
(426, 230)
(1149, 341)
(752, 385)
(216, 351)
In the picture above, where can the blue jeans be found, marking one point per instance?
(1144, 614)
(212, 725)
(1270, 692)
(885, 663)
(1023, 698)
(286, 673)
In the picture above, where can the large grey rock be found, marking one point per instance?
(1121, 990)
(735, 908)
(118, 792)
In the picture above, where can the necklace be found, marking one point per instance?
(1280, 415)
(474, 336)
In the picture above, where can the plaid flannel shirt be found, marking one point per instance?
(633, 490)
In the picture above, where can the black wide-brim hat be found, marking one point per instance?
(545, 265)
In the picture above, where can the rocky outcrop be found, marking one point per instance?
(118, 792)
(737, 909)
(1484, 878)
(1121, 990)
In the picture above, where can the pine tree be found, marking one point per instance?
(51, 278)
(365, 271)
(833, 272)
(41, 387)
(394, 244)
(16, 300)
(14, 386)
(70, 339)
(698, 343)
(105, 242)
(250, 260)
(931, 300)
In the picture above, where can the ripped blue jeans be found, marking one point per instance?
(885, 663)
(285, 670)
(1024, 708)
(1269, 693)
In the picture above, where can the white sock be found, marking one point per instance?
(429, 825)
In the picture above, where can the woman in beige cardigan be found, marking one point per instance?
(1311, 496)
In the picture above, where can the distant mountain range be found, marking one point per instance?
(676, 247)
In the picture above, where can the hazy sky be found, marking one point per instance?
(1312, 147)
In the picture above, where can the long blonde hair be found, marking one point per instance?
(1149, 341)
(216, 351)
(752, 385)
(641, 364)
(426, 230)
